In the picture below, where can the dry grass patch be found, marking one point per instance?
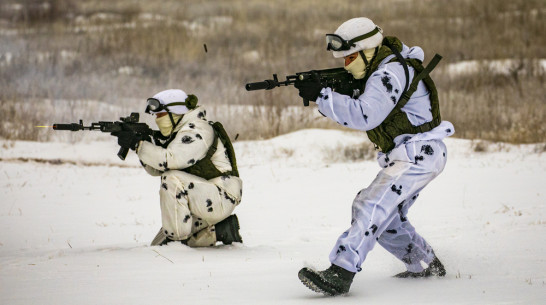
(121, 52)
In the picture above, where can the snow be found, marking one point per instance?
(76, 222)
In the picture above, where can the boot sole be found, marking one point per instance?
(413, 275)
(435, 268)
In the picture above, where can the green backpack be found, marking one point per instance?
(397, 122)
(204, 168)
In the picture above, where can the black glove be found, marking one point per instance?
(129, 139)
(309, 89)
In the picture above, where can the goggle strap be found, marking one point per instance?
(362, 37)
(190, 102)
(175, 104)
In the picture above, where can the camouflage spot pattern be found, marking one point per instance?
(427, 149)
(397, 190)
(187, 139)
(386, 80)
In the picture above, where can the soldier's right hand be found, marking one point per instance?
(127, 139)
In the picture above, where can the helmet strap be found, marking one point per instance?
(368, 63)
(172, 121)
(363, 57)
(374, 54)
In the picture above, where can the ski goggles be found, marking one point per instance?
(336, 43)
(154, 105)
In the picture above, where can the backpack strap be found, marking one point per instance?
(404, 65)
(212, 148)
(424, 73)
(222, 134)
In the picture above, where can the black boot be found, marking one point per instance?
(435, 268)
(332, 281)
(227, 230)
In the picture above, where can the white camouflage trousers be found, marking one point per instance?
(191, 206)
(379, 212)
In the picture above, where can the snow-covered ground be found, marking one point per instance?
(76, 222)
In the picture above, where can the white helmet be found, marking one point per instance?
(354, 35)
(174, 101)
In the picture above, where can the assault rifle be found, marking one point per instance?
(129, 123)
(339, 79)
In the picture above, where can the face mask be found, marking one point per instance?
(165, 125)
(369, 53)
(358, 67)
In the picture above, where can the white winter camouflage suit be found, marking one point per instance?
(191, 205)
(379, 212)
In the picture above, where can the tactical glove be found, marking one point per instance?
(309, 90)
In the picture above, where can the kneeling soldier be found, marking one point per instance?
(200, 184)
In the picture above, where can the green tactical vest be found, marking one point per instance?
(397, 122)
(204, 168)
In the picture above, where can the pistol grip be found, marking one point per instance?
(305, 102)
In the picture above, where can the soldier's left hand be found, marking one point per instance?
(309, 90)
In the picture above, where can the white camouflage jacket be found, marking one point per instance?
(193, 139)
(371, 108)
